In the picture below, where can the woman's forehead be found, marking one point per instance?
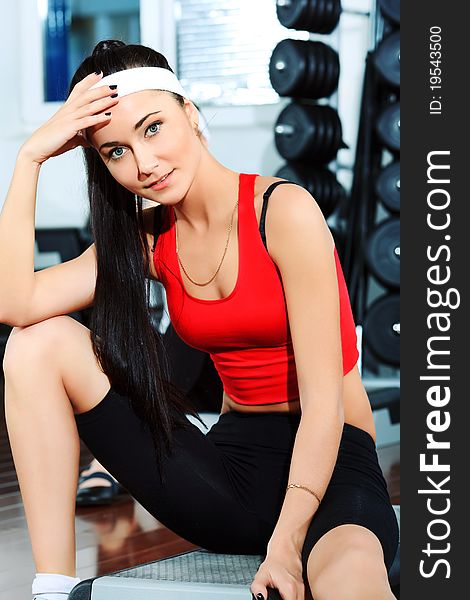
(128, 114)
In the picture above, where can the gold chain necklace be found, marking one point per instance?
(223, 256)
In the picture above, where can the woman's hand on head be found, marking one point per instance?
(83, 108)
(281, 570)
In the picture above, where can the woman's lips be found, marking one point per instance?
(162, 184)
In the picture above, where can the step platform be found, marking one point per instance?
(194, 575)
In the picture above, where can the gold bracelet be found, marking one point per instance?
(303, 487)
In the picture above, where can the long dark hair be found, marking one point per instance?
(128, 347)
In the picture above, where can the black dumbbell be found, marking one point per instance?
(316, 16)
(388, 126)
(387, 187)
(383, 252)
(387, 59)
(304, 69)
(310, 132)
(381, 329)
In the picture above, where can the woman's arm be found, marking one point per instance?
(83, 108)
(302, 246)
(313, 459)
(17, 223)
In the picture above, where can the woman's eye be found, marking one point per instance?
(112, 153)
(113, 156)
(154, 125)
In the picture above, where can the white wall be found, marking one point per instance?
(61, 201)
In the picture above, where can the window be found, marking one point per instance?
(70, 30)
(223, 49)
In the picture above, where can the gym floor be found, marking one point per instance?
(109, 538)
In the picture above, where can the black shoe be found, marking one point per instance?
(100, 494)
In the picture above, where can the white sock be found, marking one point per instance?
(52, 586)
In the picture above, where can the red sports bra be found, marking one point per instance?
(246, 333)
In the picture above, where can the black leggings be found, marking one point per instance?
(223, 490)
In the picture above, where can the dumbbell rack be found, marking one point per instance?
(308, 131)
(363, 208)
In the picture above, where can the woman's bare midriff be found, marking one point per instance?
(357, 409)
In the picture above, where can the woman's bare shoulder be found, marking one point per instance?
(262, 182)
(303, 210)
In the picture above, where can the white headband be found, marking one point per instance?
(134, 80)
(138, 79)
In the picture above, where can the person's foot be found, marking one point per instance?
(94, 467)
(97, 486)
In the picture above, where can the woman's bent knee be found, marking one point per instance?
(33, 342)
(351, 575)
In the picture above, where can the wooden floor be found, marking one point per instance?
(108, 538)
